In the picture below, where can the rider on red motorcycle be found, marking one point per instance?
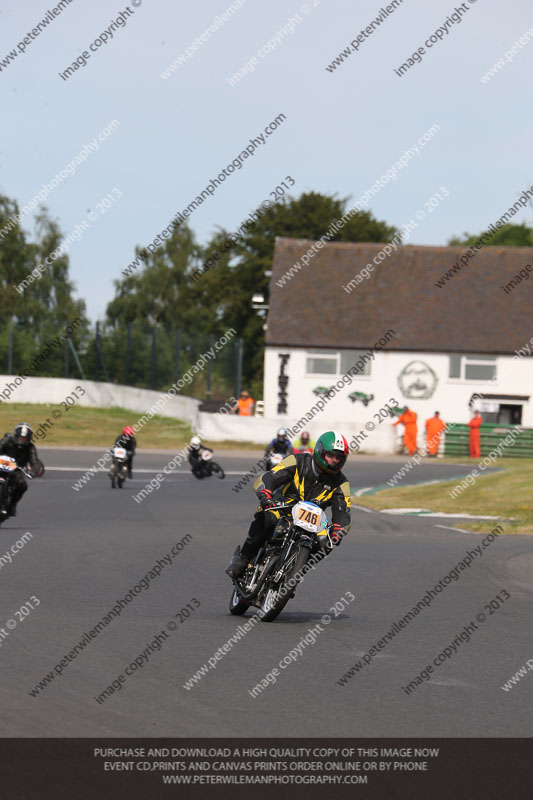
(304, 444)
(128, 441)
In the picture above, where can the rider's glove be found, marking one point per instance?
(337, 533)
(265, 499)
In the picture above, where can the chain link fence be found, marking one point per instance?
(138, 355)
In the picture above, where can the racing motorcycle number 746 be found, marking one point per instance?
(271, 579)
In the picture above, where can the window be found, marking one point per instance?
(329, 362)
(349, 359)
(472, 368)
(455, 367)
(321, 362)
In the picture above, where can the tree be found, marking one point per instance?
(171, 292)
(163, 296)
(507, 236)
(44, 302)
(306, 217)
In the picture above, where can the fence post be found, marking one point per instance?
(10, 351)
(154, 357)
(209, 368)
(128, 353)
(238, 366)
(98, 356)
(96, 352)
(76, 358)
(67, 357)
(178, 352)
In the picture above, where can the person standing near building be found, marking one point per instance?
(408, 418)
(474, 439)
(244, 406)
(434, 427)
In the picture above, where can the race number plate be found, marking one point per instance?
(309, 516)
(120, 452)
(7, 463)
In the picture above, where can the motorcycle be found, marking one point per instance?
(208, 467)
(8, 467)
(273, 459)
(271, 579)
(119, 470)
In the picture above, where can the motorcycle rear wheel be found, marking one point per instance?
(275, 600)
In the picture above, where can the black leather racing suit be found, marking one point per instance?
(196, 461)
(129, 443)
(301, 480)
(23, 454)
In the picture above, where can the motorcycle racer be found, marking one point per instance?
(19, 446)
(128, 441)
(317, 478)
(196, 448)
(304, 444)
(280, 444)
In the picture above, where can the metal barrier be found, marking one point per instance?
(456, 441)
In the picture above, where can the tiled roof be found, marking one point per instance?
(470, 314)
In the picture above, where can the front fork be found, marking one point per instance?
(4, 492)
(304, 541)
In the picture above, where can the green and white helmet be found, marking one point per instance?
(331, 451)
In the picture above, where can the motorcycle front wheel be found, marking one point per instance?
(4, 498)
(113, 475)
(237, 605)
(39, 471)
(276, 599)
(217, 470)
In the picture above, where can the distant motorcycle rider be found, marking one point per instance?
(304, 444)
(196, 448)
(128, 441)
(317, 478)
(280, 444)
(19, 446)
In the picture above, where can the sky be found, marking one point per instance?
(343, 128)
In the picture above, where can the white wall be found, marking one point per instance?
(219, 427)
(214, 427)
(97, 395)
(451, 396)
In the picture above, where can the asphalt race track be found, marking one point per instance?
(90, 547)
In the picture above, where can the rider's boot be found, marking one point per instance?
(241, 558)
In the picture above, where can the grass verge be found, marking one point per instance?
(507, 494)
(98, 427)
